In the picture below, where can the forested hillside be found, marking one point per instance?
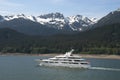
(101, 40)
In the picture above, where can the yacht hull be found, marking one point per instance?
(65, 65)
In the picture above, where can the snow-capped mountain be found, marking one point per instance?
(55, 21)
(79, 22)
(11, 17)
(58, 21)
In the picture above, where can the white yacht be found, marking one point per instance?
(66, 60)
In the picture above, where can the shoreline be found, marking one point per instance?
(101, 56)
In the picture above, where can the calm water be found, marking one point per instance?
(24, 68)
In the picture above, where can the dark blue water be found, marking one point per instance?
(25, 68)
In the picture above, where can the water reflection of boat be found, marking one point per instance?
(66, 60)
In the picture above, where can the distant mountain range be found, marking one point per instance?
(46, 24)
(55, 23)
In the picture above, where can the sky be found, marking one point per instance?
(89, 8)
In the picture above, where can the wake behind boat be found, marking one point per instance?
(66, 60)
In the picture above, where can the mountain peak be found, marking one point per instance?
(52, 15)
(20, 15)
(78, 18)
(11, 17)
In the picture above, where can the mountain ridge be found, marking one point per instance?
(55, 21)
(111, 18)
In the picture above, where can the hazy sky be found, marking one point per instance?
(90, 8)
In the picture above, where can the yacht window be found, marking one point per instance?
(64, 62)
(75, 63)
(84, 63)
(77, 60)
(46, 61)
(73, 57)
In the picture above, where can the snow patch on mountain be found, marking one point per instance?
(94, 20)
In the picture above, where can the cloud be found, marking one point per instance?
(8, 7)
(8, 3)
(57, 1)
(4, 12)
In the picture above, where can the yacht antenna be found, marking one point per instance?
(69, 53)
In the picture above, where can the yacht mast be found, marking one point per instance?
(69, 53)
